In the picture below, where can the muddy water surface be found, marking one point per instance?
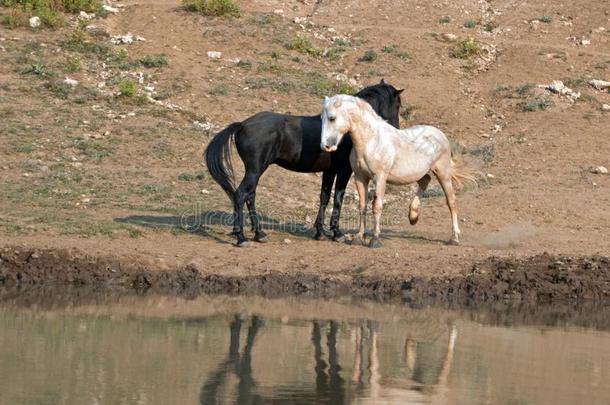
(220, 349)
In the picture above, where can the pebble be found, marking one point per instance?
(287, 241)
(214, 54)
(490, 176)
(606, 107)
(204, 191)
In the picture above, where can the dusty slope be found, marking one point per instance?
(124, 194)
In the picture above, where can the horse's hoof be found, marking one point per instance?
(319, 236)
(242, 243)
(375, 243)
(339, 237)
(453, 242)
(413, 219)
(358, 240)
(261, 238)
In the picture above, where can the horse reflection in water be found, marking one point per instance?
(239, 364)
(423, 382)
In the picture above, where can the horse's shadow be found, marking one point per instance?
(208, 224)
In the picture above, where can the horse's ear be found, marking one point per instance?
(382, 81)
(399, 91)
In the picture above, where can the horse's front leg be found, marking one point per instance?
(342, 179)
(377, 208)
(362, 186)
(328, 178)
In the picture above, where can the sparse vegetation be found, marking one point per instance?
(490, 26)
(524, 89)
(191, 176)
(547, 19)
(538, 104)
(219, 90)
(154, 61)
(214, 8)
(244, 64)
(368, 56)
(49, 11)
(465, 49)
(93, 149)
(127, 88)
(444, 19)
(470, 24)
(303, 45)
(390, 48)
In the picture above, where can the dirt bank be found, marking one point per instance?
(539, 278)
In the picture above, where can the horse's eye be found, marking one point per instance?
(331, 119)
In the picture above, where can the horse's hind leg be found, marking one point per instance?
(443, 174)
(422, 184)
(244, 192)
(328, 178)
(342, 179)
(259, 234)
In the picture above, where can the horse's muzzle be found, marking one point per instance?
(329, 148)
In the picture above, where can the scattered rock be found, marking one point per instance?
(287, 241)
(558, 87)
(35, 22)
(278, 11)
(204, 191)
(214, 54)
(599, 170)
(86, 16)
(206, 126)
(490, 176)
(70, 82)
(600, 84)
(128, 38)
(585, 41)
(605, 107)
(300, 20)
(449, 37)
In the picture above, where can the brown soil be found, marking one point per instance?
(539, 279)
(119, 199)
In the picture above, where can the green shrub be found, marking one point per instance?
(216, 8)
(127, 88)
(154, 61)
(304, 45)
(444, 19)
(368, 56)
(537, 104)
(465, 48)
(470, 23)
(390, 48)
(547, 19)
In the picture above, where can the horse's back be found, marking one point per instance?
(291, 141)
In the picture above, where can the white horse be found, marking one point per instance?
(385, 154)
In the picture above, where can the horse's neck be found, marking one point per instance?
(368, 127)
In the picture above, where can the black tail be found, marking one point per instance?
(218, 158)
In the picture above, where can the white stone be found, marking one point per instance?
(600, 84)
(110, 9)
(35, 22)
(83, 15)
(606, 107)
(70, 82)
(599, 170)
(214, 54)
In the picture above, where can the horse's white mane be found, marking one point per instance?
(339, 99)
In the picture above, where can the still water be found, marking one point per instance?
(226, 350)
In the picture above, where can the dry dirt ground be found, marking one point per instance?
(118, 176)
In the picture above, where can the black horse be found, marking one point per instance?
(293, 142)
